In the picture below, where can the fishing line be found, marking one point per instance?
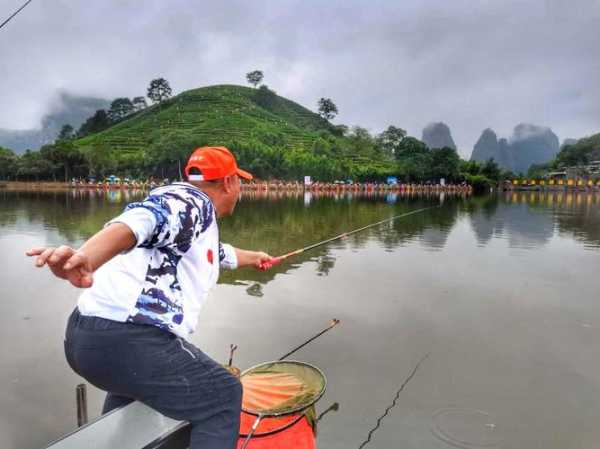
(15, 13)
(393, 404)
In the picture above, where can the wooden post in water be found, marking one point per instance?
(82, 412)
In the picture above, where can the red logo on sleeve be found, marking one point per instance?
(209, 256)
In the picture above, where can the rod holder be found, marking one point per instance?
(82, 409)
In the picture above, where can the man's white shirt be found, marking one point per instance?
(165, 279)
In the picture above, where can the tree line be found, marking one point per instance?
(359, 156)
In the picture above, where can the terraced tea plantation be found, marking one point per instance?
(215, 115)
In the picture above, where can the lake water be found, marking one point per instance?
(500, 292)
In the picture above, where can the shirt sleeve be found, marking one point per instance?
(167, 220)
(141, 222)
(227, 257)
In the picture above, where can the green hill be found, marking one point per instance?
(260, 126)
(216, 113)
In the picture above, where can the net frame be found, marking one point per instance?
(292, 410)
(271, 414)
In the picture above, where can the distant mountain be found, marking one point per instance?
(529, 144)
(568, 142)
(67, 109)
(437, 135)
(486, 147)
(505, 158)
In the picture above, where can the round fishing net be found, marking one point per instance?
(281, 388)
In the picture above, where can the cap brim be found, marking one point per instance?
(243, 174)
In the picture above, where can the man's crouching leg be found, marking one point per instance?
(167, 373)
(201, 391)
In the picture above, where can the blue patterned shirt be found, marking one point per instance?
(164, 280)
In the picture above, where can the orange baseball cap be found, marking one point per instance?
(213, 163)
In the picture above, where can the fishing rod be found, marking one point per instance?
(276, 260)
(334, 322)
(232, 349)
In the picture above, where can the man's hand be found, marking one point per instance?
(77, 266)
(255, 259)
(65, 263)
(260, 258)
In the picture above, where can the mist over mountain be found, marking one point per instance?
(531, 144)
(568, 141)
(65, 109)
(528, 144)
(437, 135)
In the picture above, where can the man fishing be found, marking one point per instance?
(146, 275)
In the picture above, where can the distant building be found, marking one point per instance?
(586, 172)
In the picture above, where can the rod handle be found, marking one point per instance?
(264, 266)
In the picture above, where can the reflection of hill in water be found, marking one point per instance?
(291, 223)
(578, 216)
(279, 223)
(515, 223)
(276, 223)
(529, 219)
(430, 228)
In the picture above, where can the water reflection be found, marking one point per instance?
(531, 219)
(279, 222)
(501, 335)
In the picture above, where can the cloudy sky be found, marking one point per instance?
(472, 64)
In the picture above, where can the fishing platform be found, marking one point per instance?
(135, 426)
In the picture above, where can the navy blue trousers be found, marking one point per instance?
(144, 363)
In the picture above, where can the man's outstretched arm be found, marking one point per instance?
(78, 266)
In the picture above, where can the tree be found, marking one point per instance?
(159, 90)
(327, 109)
(361, 142)
(470, 167)
(445, 163)
(265, 97)
(66, 132)
(96, 123)
(8, 163)
(120, 108)
(66, 156)
(339, 130)
(491, 170)
(101, 160)
(414, 159)
(254, 77)
(170, 152)
(139, 103)
(409, 147)
(389, 140)
(32, 165)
